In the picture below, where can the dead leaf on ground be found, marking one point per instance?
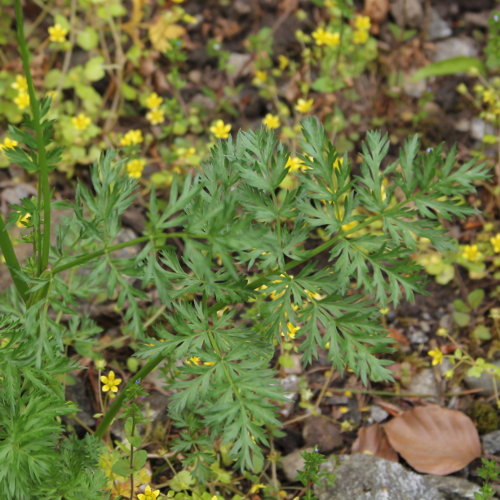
(434, 440)
(373, 441)
(163, 29)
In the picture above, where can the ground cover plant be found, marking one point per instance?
(275, 249)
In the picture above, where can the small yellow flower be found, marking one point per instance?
(292, 330)
(338, 163)
(135, 167)
(209, 363)
(20, 84)
(347, 227)
(283, 62)
(313, 295)
(271, 121)
(220, 130)
(360, 37)
(472, 253)
(322, 37)
(131, 137)
(22, 101)
(495, 243)
(149, 494)
(489, 96)
(304, 105)
(194, 360)
(154, 101)
(260, 77)
(448, 374)
(178, 1)
(81, 121)
(23, 221)
(294, 163)
(110, 382)
(344, 409)
(8, 143)
(155, 116)
(348, 394)
(346, 426)
(362, 23)
(57, 33)
(437, 356)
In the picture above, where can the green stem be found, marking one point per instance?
(83, 259)
(43, 168)
(120, 399)
(12, 262)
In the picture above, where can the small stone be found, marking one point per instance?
(238, 64)
(479, 128)
(454, 47)
(418, 337)
(408, 13)
(425, 383)
(242, 6)
(438, 27)
(321, 433)
(462, 125)
(377, 414)
(293, 462)
(290, 383)
(491, 443)
(412, 88)
(484, 382)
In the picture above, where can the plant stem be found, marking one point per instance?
(12, 262)
(43, 169)
(118, 401)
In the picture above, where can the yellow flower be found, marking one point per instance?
(346, 426)
(149, 494)
(22, 101)
(260, 77)
(292, 330)
(81, 121)
(271, 121)
(313, 295)
(350, 225)
(154, 101)
(194, 360)
(220, 129)
(155, 116)
(360, 37)
(472, 253)
(362, 23)
(131, 137)
(20, 84)
(489, 96)
(338, 163)
(283, 62)
(23, 221)
(8, 143)
(322, 37)
(294, 163)
(57, 33)
(437, 356)
(178, 1)
(495, 242)
(110, 382)
(304, 106)
(344, 409)
(135, 167)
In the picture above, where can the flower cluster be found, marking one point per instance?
(322, 37)
(271, 121)
(135, 167)
(22, 100)
(8, 143)
(131, 138)
(362, 25)
(155, 115)
(81, 121)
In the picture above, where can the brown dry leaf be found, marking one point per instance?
(163, 29)
(434, 440)
(373, 441)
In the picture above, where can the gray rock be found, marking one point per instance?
(484, 382)
(491, 443)
(367, 477)
(377, 414)
(438, 27)
(407, 12)
(293, 462)
(479, 128)
(238, 64)
(411, 88)
(424, 382)
(454, 47)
